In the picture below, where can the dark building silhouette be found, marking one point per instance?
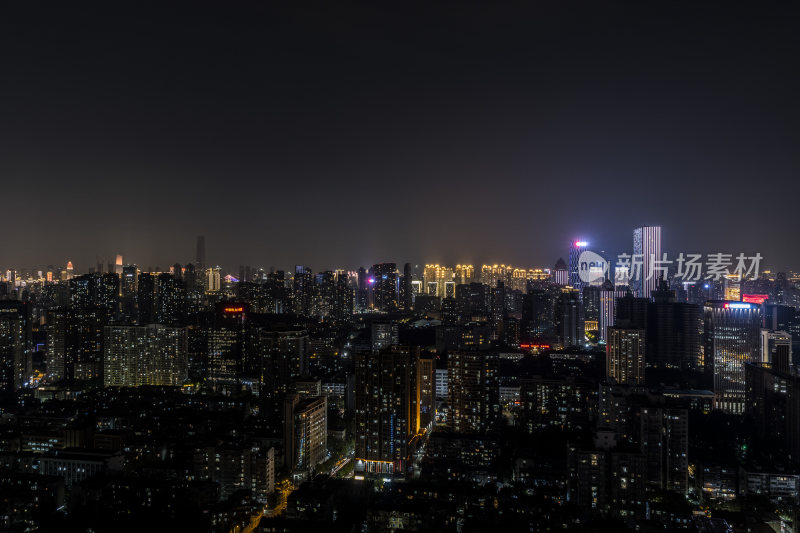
(146, 298)
(406, 292)
(673, 332)
(772, 406)
(200, 256)
(568, 318)
(537, 314)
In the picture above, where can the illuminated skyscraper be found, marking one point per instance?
(464, 274)
(576, 247)
(491, 274)
(213, 280)
(591, 309)
(732, 339)
(561, 273)
(647, 248)
(608, 298)
(226, 347)
(434, 279)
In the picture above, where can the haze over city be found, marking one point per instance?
(341, 136)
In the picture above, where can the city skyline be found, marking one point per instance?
(574, 247)
(380, 267)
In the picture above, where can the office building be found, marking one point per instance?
(776, 348)
(576, 248)
(561, 273)
(732, 339)
(673, 331)
(568, 318)
(647, 251)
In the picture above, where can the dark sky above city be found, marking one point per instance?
(343, 135)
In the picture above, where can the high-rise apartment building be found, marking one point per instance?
(625, 355)
(474, 399)
(144, 355)
(15, 339)
(75, 344)
(384, 286)
(664, 440)
(305, 433)
(385, 410)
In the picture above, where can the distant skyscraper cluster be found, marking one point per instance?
(285, 388)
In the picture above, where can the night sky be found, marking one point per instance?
(340, 136)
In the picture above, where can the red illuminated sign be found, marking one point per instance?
(755, 298)
(239, 309)
(535, 346)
